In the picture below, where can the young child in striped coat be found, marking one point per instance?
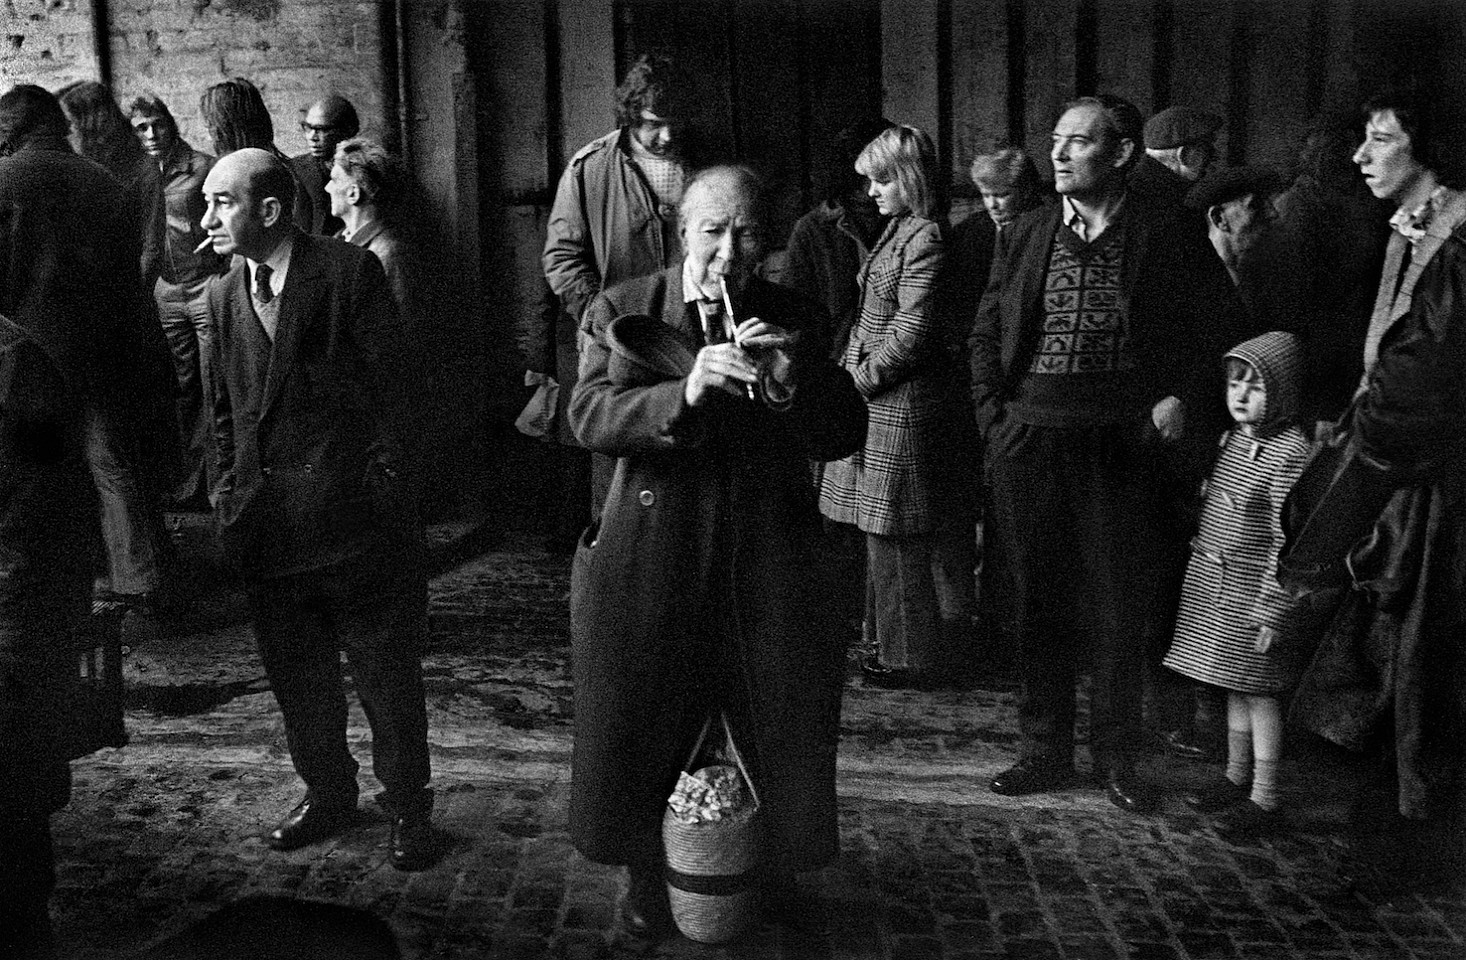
(1237, 628)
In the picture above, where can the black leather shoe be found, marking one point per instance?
(784, 901)
(413, 845)
(645, 913)
(1035, 775)
(877, 674)
(1183, 744)
(312, 821)
(1216, 796)
(1126, 791)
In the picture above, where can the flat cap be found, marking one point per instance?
(1178, 126)
(1229, 183)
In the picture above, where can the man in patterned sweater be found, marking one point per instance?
(1096, 339)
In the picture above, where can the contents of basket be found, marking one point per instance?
(712, 793)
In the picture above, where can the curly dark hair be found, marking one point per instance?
(1435, 133)
(652, 83)
(148, 105)
(99, 130)
(236, 117)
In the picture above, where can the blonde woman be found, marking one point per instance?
(897, 489)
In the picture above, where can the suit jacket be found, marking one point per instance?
(309, 429)
(1180, 310)
(312, 178)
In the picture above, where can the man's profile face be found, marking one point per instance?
(1086, 162)
(1385, 158)
(339, 188)
(322, 129)
(233, 221)
(156, 134)
(720, 238)
(658, 135)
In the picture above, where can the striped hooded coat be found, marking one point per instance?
(1231, 586)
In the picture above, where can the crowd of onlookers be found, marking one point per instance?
(1193, 431)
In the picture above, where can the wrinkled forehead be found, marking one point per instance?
(145, 116)
(718, 206)
(1086, 120)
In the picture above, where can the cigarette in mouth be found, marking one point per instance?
(207, 242)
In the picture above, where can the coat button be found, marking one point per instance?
(307, 469)
(647, 498)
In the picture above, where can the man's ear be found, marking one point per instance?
(353, 195)
(271, 210)
(1216, 217)
(1124, 151)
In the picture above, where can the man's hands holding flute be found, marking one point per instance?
(758, 356)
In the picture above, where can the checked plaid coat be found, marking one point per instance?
(898, 484)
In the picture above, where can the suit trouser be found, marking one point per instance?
(183, 311)
(132, 526)
(377, 612)
(1079, 515)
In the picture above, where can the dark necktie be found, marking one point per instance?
(263, 293)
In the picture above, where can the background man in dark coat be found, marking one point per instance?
(313, 502)
(1096, 340)
(701, 590)
(327, 123)
(69, 286)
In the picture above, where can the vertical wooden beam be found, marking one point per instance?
(1200, 64)
(909, 72)
(979, 82)
(769, 88)
(1279, 79)
(1049, 29)
(587, 72)
(1125, 51)
(102, 41)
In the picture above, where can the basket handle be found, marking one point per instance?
(733, 750)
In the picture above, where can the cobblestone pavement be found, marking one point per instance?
(166, 832)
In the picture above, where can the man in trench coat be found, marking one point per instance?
(700, 591)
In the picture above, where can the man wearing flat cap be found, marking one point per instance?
(1180, 146)
(1238, 205)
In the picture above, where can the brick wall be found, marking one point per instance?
(293, 50)
(47, 42)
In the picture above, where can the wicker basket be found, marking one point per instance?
(711, 866)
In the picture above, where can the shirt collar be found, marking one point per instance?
(691, 292)
(1414, 224)
(1086, 230)
(279, 264)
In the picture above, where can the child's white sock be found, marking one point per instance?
(1266, 791)
(1239, 756)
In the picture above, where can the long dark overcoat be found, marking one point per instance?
(703, 587)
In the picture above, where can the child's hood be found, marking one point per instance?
(1278, 359)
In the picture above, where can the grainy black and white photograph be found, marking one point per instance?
(732, 480)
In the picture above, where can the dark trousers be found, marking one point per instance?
(377, 612)
(1080, 519)
(31, 793)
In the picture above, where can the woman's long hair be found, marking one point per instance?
(236, 117)
(906, 155)
(99, 131)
